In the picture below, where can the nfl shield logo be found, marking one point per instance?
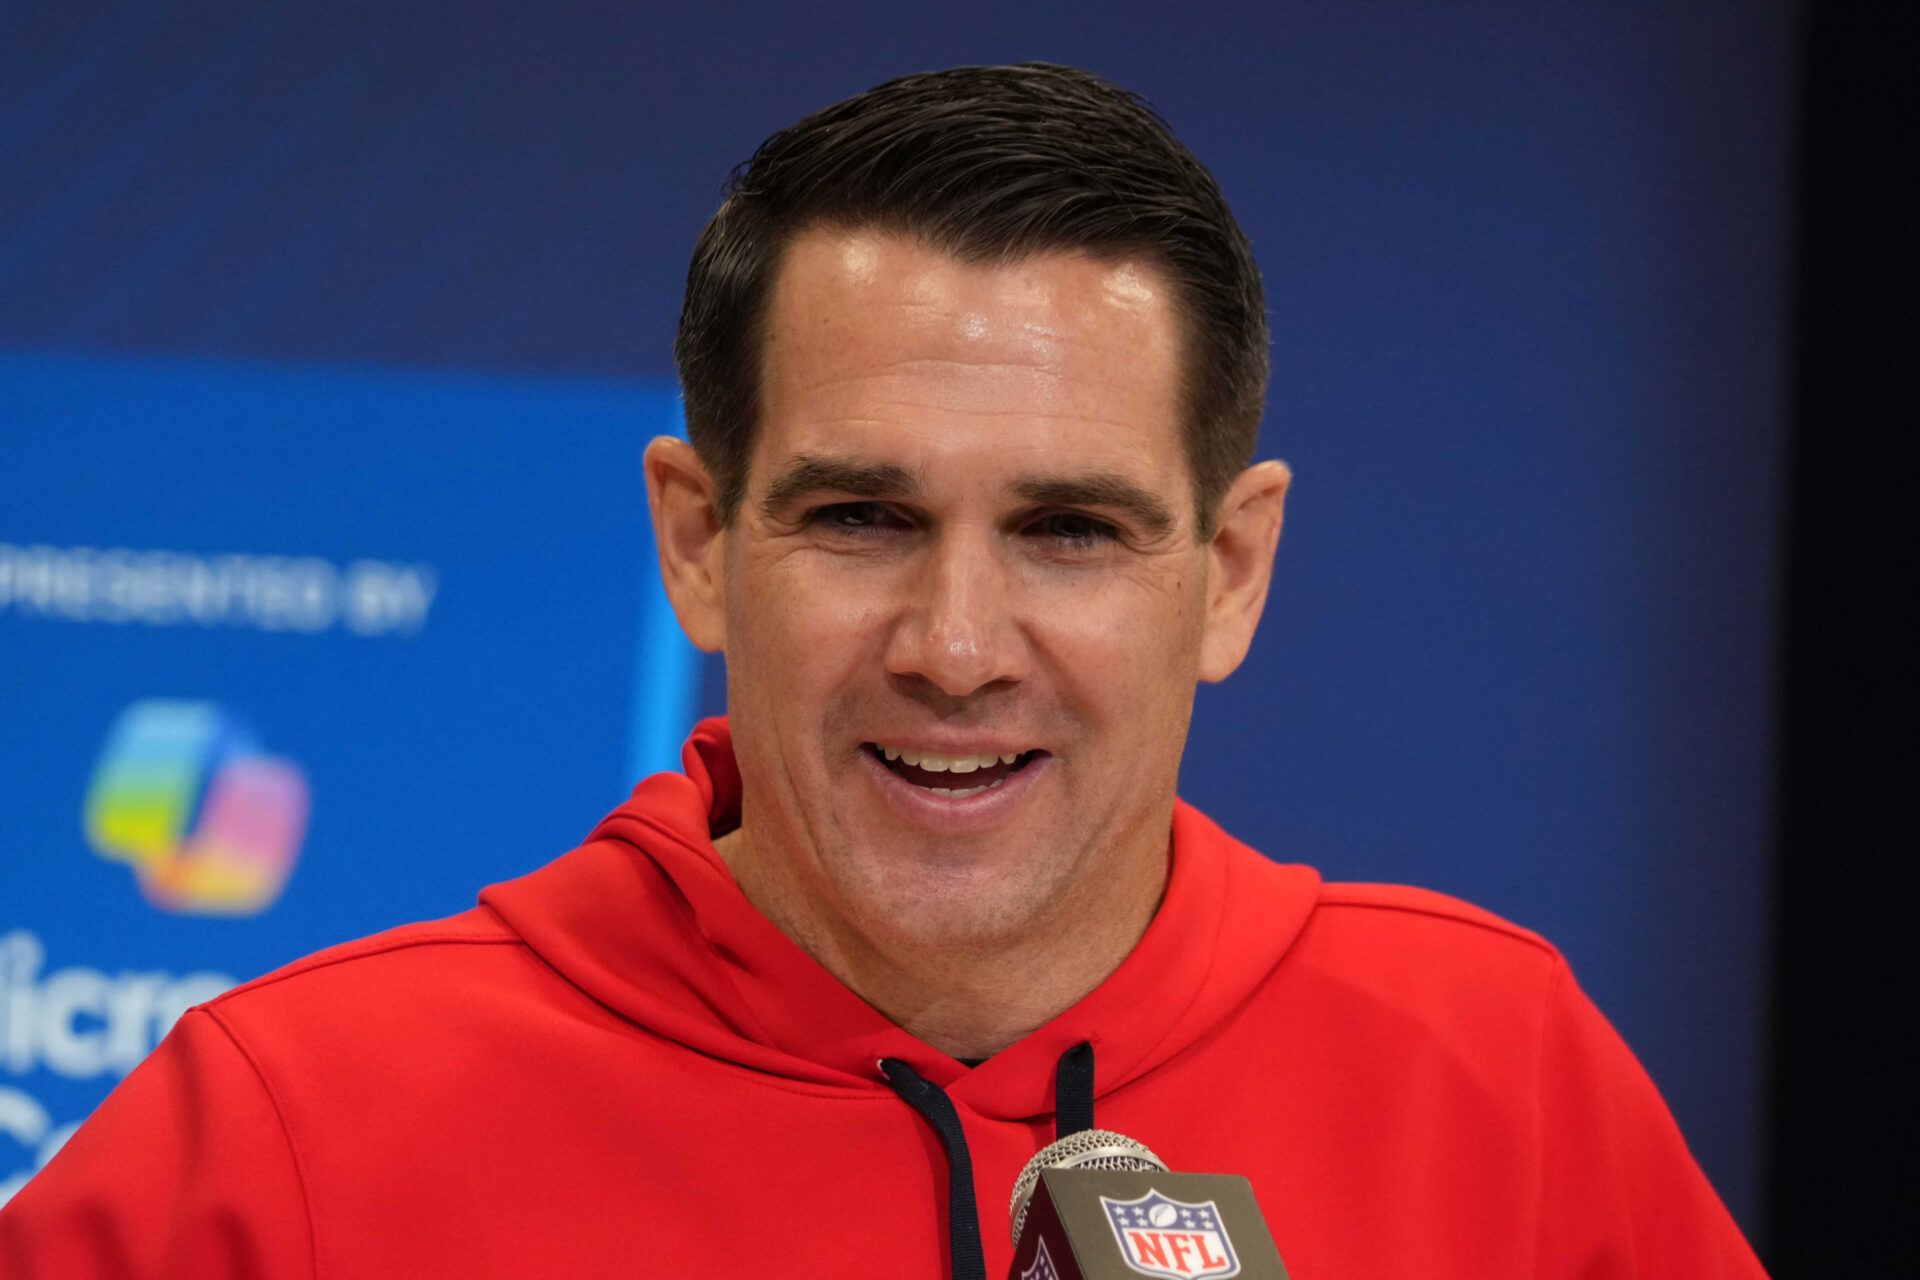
(1042, 1268)
(1161, 1236)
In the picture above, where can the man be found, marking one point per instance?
(974, 364)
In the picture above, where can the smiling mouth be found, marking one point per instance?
(952, 776)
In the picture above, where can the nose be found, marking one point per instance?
(959, 630)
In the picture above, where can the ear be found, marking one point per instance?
(688, 534)
(1240, 565)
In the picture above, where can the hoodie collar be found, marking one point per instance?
(647, 919)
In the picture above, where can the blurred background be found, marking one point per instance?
(330, 335)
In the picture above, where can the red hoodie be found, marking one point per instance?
(615, 1066)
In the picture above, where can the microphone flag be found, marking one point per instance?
(1106, 1224)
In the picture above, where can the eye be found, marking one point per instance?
(855, 517)
(1074, 528)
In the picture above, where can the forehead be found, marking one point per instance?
(879, 343)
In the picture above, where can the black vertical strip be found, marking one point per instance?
(963, 1219)
(1841, 1185)
(1073, 1092)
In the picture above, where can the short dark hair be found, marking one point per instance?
(991, 164)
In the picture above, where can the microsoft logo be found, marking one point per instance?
(210, 824)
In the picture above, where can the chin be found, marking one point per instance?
(946, 903)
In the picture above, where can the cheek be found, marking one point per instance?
(1132, 646)
(795, 632)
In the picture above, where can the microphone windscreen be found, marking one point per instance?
(1088, 1149)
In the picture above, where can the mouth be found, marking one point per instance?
(953, 777)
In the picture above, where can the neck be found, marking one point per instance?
(974, 996)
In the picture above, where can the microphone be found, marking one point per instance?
(1097, 1205)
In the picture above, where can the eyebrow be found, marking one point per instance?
(815, 473)
(812, 473)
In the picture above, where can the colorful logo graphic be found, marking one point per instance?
(210, 824)
(1161, 1236)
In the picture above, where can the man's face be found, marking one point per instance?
(964, 599)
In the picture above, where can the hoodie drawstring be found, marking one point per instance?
(1073, 1112)
(963, 1220)
(1073, 1092)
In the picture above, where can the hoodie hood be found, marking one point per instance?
(646, 919)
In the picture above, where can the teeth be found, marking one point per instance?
(947, 764)
(965, 791)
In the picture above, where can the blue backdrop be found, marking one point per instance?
(330, 335)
